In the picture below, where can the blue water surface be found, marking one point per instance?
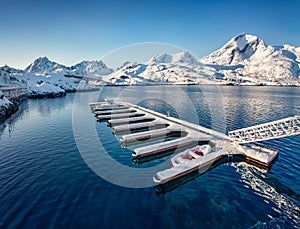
(46, 183)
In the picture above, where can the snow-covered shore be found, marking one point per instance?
(7, 107)
(245, 60)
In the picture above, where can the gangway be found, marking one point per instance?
(267, 131)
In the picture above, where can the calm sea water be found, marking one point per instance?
(49, 180)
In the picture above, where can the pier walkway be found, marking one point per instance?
(126, 119)
(137, 125)
(271, 130)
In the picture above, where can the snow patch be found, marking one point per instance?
(4, 102)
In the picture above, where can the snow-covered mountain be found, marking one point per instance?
(181, 67)
(6, 75)
(127, 74)
(43, 65)
(7, 70)
(245, 59)
(48, 78)
(234, 52)
(179, 58)
(88, 68)
(248, 56)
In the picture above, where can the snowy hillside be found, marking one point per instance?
(181, 67)
(90, 68)
(43, 65)
(6, 70)
(248, 56)
(128, 74)
(244, 60)
(235, 51)
(4, 102)
(6, 107)
(46, 78)
(6, 76)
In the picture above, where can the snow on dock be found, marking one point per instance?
(148, 134)
(125, 119)
(102, 106)
(115, 111)
(158, 148)
(136, 126)
(156, 124)
(118, 116)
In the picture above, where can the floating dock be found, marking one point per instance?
(154, 124)
(137, 124)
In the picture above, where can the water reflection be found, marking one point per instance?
(45, 182)
(256, 105)
(272, 190)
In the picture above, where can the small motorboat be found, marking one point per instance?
(190, 161)
(202, 157)
(190, 154)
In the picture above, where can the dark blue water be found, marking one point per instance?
(45, 181)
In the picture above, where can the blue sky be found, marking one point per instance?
(71, 31)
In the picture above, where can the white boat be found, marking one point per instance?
(189, 161)
(202, 157)
(190, 154)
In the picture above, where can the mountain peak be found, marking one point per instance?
(91, 67)
(244, 40)
(253, 58)
(184, 57)
(42, 59)
(234, 52)
(180, 57)
(5, 70)
(161, 59)
(246, 36)
(44, 65)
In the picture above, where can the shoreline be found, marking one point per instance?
(12, 108)
(6, 111)
(212, 84)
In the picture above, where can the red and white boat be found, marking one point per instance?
(190, 154)
(189, 161)
(203, 156)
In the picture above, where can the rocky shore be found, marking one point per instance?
(7, 107)
(46, 95)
